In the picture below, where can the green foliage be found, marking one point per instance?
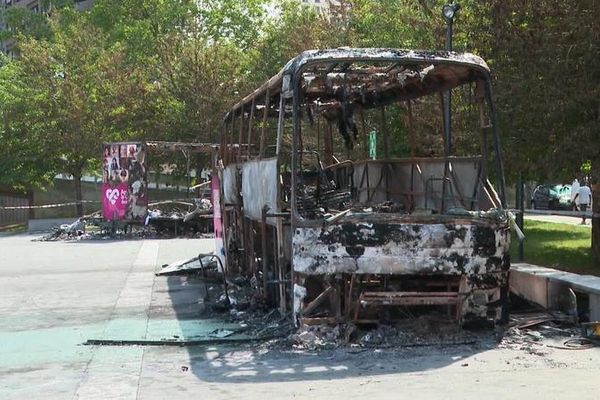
(295, 28)
(237, 21)
(23, 156)
(544, 55)
(393, 23)
(138, 25)
(586, 167)
(201, 80)
(65, 96)
(562, 246)
(168, 69)
(23, 21)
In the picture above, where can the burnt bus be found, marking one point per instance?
(346, 196)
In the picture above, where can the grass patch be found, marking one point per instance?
(560, 246)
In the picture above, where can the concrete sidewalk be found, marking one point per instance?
(561, 219)
(56, 295)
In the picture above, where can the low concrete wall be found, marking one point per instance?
(45, 225)
(552, 289)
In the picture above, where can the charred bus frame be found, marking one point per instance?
(363, 239)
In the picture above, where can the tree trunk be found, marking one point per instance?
(78, 193)
(596, 222)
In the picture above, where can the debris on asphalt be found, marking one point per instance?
(590, 330)
(165, 219)
(524, 320)
(221, 333)
(526, 331)
(74, 230)
(190, 266)
(417, 331)
(168, 218)
(535, 332)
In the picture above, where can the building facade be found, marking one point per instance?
(36, 6)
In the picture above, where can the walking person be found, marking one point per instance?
(574, 191)
(585, 198)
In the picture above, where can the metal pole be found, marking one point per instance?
(448, 95)
(265, 256)
(496, 138)
(521, 215)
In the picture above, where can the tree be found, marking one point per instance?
(86, 94)
(544, 56)
(23, 160)
(171, 68)
(235, 21)
(202, 79)
(138, 25)
(293, 29)
(192, 51)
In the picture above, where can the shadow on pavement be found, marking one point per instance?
(242, 362)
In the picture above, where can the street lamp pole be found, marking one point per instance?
(449, 17)
(449, 12)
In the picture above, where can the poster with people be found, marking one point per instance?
(124, 183)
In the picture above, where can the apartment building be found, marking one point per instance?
(36, 6)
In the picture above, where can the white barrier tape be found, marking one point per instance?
(74, 203)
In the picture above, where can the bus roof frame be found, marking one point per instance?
(283, 79)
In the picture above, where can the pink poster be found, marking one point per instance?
(217, 222)
(124, 182)
(114, 201)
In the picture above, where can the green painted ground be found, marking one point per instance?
(65, 344)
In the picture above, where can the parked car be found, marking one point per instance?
(552, 197)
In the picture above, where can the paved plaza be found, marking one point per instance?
(57, 295)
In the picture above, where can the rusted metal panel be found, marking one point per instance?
(426, 185)
(409, 298)
(260, 183)
(231, 192)
(369, 247)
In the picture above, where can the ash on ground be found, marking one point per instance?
(431, 330)
(241, 305)
(536, 333)
(530, 332)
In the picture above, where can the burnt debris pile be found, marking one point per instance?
(166, 219)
